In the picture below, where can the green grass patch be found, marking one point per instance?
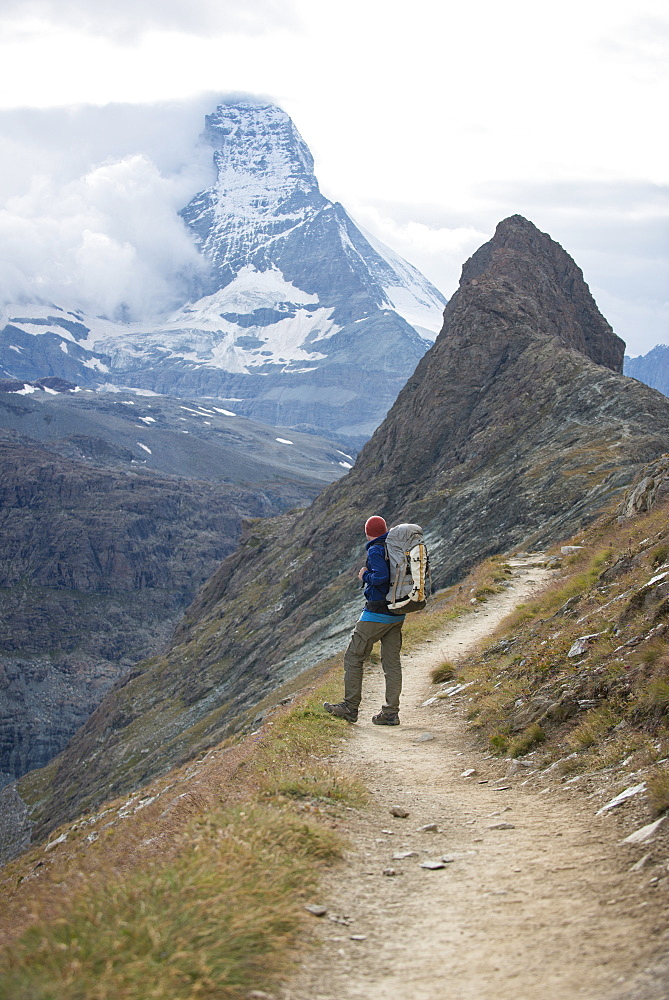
(655, 698)
(530, 738)
(658, 791)
(288, 764)
(593, 727)
(499, 743)
(659, 555)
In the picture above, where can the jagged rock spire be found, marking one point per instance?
(522, 255)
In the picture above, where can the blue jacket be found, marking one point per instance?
(377, 575)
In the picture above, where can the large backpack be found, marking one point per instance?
(409, 568)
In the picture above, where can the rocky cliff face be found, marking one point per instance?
(561, 301)
(96, 567)
(516, 428)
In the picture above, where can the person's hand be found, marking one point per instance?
(363, 570)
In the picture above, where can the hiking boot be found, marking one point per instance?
(386, 719)
(341, 711)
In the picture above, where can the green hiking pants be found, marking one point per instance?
(363, 637)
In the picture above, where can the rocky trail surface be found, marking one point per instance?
(530, 896)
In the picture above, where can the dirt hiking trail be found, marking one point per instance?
(536, 901)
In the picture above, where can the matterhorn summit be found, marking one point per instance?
(302, 320)
(265, 188)
(266, 210)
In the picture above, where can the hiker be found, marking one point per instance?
(375, 623)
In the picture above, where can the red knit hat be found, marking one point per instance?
(375, 526)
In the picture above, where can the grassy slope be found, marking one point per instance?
(194, 885)
(608, 703)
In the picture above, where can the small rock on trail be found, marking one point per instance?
(399, 812)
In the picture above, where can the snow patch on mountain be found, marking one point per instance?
(412, 295)
(260, 318)
(250, 289)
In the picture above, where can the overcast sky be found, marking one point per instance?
(429, 121)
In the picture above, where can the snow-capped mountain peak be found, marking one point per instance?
(265, 206)
(261, 159)
(302, 313)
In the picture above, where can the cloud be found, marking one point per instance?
(616, 231)
(126, 20)
(435, 247)
(643, 44)
(109, 241)
(90, 199)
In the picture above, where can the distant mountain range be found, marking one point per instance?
(302, 319)
(651, 368)
(142, 432)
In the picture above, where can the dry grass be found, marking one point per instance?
(493, 701)
(288, 765)
(208, 924)
(658, 791)
(528, 689)
(482, 594)
(199, 894)
(443, 673)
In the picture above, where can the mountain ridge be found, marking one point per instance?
(651, 368)
(114, 510)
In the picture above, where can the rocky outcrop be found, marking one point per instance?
(516, 428)
(50, 382)
(560, 299)
(15, 825)
(653, 486)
